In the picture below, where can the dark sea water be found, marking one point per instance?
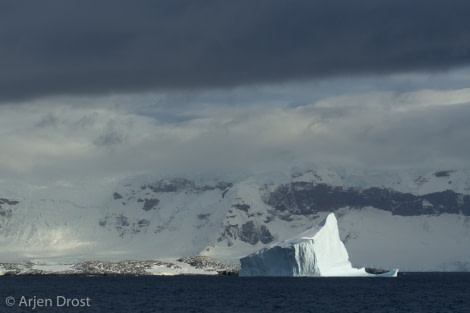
(409, 292)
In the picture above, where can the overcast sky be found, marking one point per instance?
(109, 88)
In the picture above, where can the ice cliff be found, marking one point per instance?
(316, 252)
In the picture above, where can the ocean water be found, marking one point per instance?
(409, 292)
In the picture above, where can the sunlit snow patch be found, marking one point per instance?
(316, 252)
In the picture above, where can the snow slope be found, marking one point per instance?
(375, 238)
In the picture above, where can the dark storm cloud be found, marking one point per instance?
(81, 47)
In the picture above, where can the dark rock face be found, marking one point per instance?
(116, 196)
(303, 198)
(204, 217)
(183, 184)
(143, 223)
(249, 232)
(150, 204)
(123, 225)
(443, 173)
(7, 213)
(172, 185)
(9, 202)
(6, 210)
(241, 207)
(223, 185)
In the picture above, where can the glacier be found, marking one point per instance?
(318, 251)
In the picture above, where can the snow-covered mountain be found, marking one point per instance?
(414, 220)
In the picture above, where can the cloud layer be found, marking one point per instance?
(84, 47)
(96, 137)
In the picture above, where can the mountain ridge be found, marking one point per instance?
(145, 218)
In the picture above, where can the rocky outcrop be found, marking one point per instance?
(197, 265)
(131, 267)
(249, 232)
(306, 198)
(116, 196)
(123, 225)
(252, 233)
(9, 202)
(7, 207)
(182, 184)
(125, 214)
(210, 264)
(19, 269)
(150, 204)
(128, 267)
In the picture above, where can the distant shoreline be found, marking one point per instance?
(194, 265)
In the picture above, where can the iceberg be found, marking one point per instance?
(317, 252)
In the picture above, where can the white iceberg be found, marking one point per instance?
(318, 251)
